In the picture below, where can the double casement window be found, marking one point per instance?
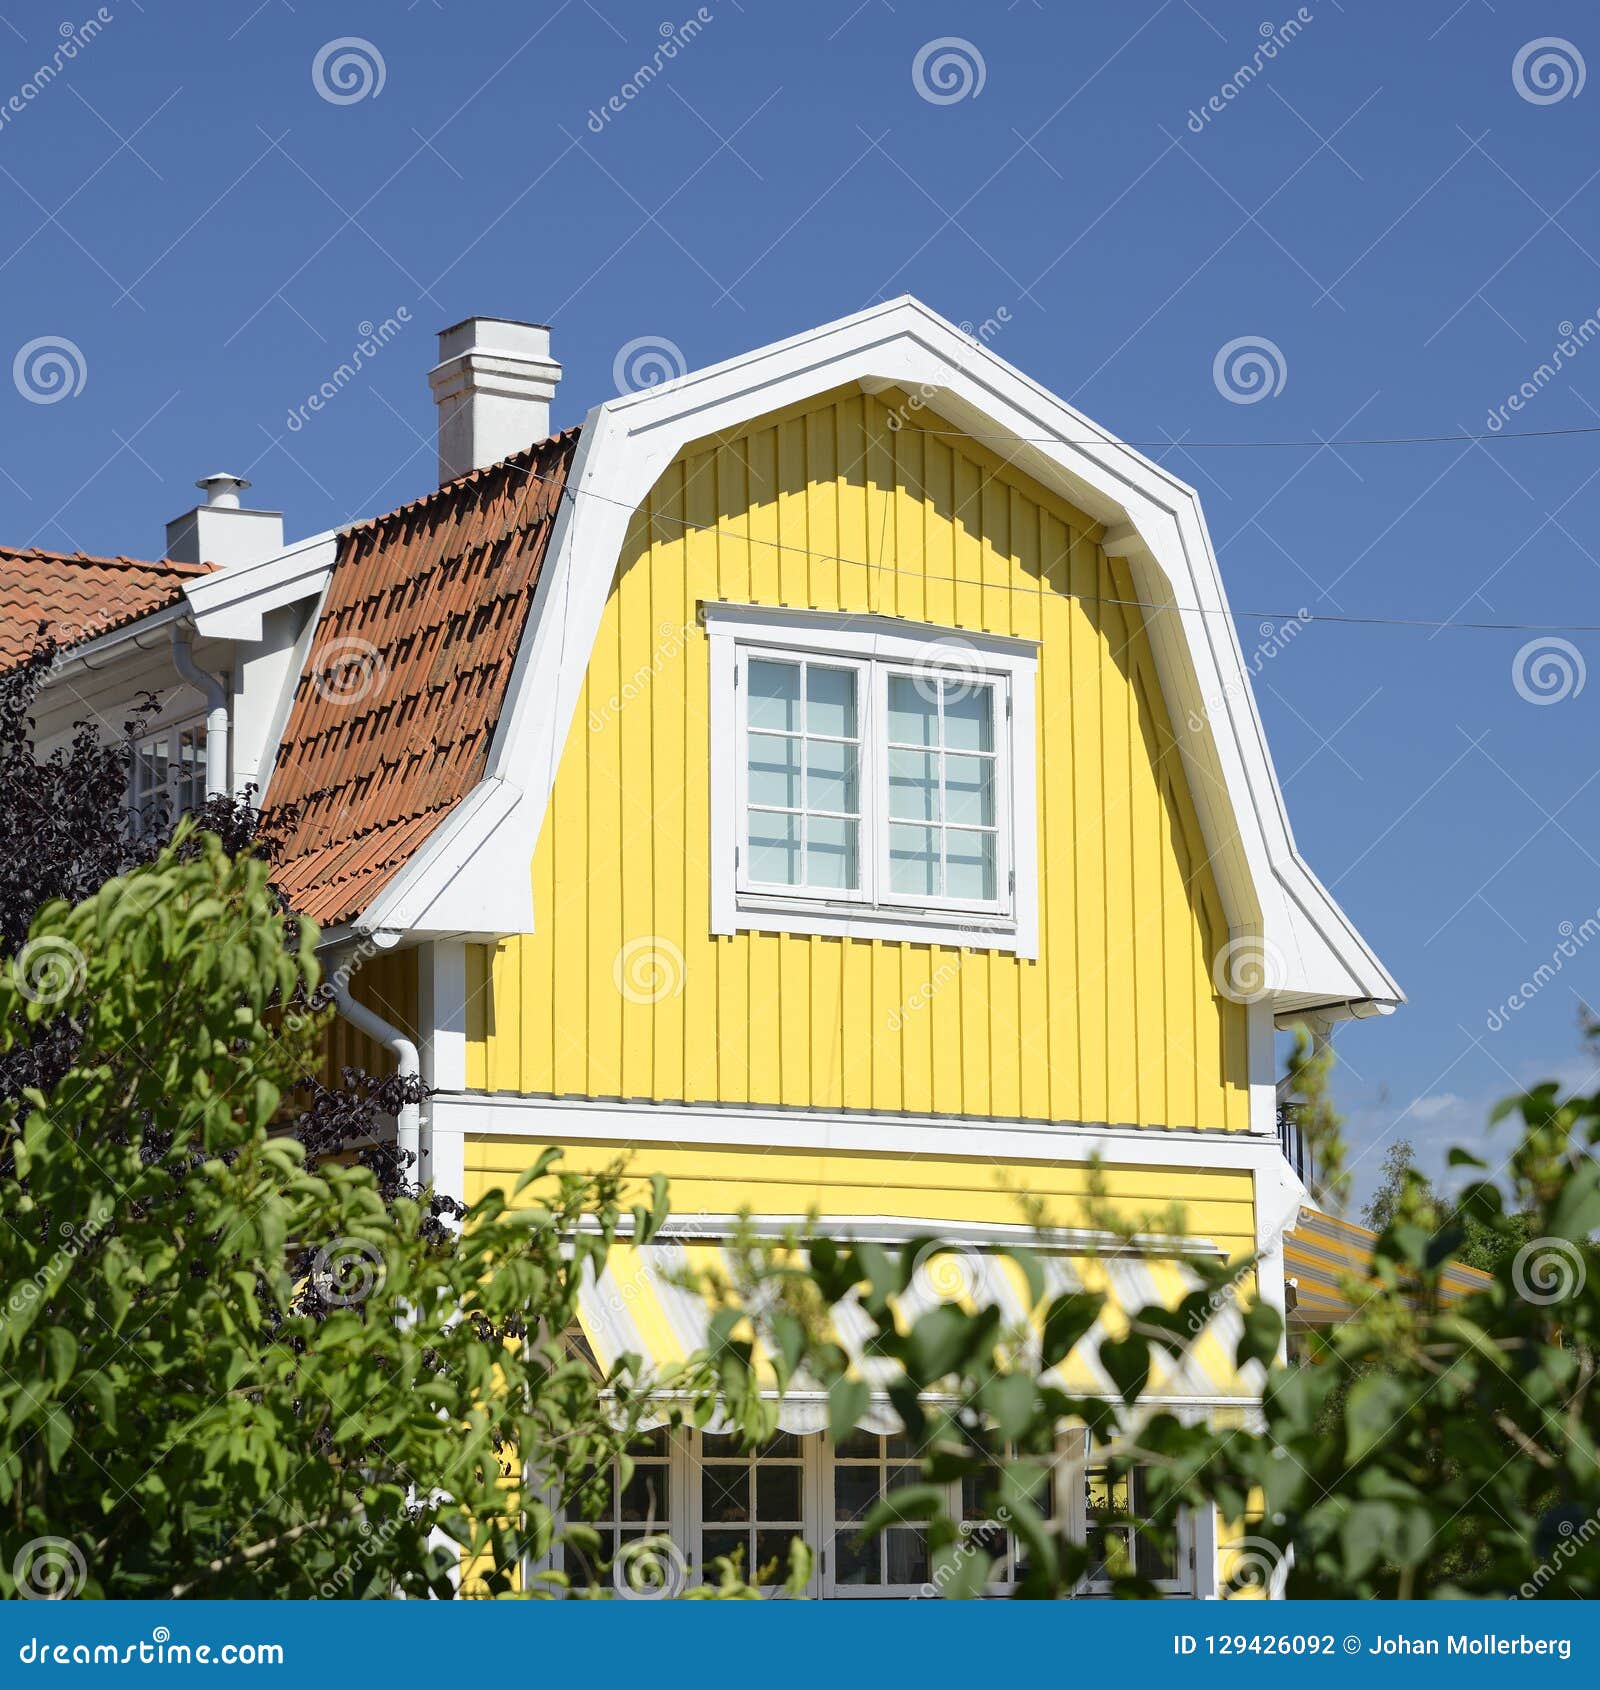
(706, 1497)
(871, 778)
(168, 774)
(1109, 1503)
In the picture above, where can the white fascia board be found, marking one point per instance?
(459, 884)
(557, 1120)
(627, 443)
(230, 604)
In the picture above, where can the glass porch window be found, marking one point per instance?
(803, 775)
(635, 1510)
(866, 1467)
(983, 1525)
(943, 825)
(751, 1502)
(1126, 1549)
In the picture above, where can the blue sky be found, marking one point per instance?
(1383, 203)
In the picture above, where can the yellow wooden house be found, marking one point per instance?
(832, 779)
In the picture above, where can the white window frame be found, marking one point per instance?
(684, 1525)
(874, 646)
(1185, 1549)
(173, 733)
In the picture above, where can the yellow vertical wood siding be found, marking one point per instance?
(831, 506)
(1216, 1203)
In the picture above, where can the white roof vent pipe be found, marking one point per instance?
(222, 531)
(493, 385)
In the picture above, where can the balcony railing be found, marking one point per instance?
(1296, 1151)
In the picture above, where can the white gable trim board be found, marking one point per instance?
(471, 879)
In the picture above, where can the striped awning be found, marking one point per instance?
(1323, 1253)
(644, 1303)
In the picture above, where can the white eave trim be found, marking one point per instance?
(150, 632)
(231, 603)
(1153, 519)
(560, 1120)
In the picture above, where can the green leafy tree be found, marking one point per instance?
(1403, 1189)
(1426, 1447)
(223, 1373)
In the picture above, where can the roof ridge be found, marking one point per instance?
(43, 554)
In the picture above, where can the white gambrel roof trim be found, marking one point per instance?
(472, 877)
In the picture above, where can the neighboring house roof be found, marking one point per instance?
(79, 597)
(406, 674)
(1325, 1258)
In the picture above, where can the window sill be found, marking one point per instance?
(971, 930)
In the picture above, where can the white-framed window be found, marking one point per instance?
(168, 774)
(712, 1498)
(861, 1470)
(872, 778)
(641, 1508)
(1107, 1506)
(748, 1503)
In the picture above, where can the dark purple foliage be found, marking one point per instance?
(65, 829)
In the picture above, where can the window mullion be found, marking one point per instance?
(874, 793)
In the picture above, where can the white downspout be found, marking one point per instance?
(216, 697)
(408, 1065)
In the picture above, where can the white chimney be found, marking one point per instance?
(493, 385)
(221, 530)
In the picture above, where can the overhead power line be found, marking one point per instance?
(1300, 615)
(1315, 441)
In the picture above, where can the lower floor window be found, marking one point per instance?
(1110, 1504)
(865, 1468)
(628, 1513)
(752, 1504)
(715, 1500)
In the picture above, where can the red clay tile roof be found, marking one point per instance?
(407, 672)
(79, 597)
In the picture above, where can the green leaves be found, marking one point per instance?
(191, 1395)
(1066, 1321)
(1377, 1403)
(1127, 1360)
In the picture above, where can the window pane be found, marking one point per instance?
(831, 853)
(914, 786)
(774, 849)
(775, 771)
(913, 710)
(858, 1443)
(914, 860)
(782, 1445)
(775, 695)
(908, 1555)
(969, 864)
(714, 1544)
(725, 1493)
(644, 1497)
(855, 1489)
(831, 776)
(777, 1494)
(976, 1491)
(831, 701)
(1151, 1559)
(855, 1563)
(969, 790)
(773, 1547)
(968, 716)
